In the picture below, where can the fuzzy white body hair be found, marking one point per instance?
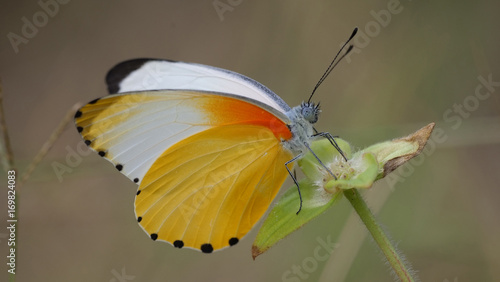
(302, 131)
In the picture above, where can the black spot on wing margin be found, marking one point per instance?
(207, 248)
(94, 101)
(178, 244)
(233, 241)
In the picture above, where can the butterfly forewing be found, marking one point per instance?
(132, 130)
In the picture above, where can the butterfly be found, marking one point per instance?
(209, 148)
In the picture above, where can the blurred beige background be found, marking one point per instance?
(420, 65)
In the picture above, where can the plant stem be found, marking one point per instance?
(393, 256)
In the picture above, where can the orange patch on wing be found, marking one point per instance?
(227, 110)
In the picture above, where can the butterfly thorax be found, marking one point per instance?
(302, 118)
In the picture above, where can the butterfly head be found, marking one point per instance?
(310, 111)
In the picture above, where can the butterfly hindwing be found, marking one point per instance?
(207, 191)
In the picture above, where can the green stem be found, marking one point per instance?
(393, 256)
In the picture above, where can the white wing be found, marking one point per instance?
(154, 74)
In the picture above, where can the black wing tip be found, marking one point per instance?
(121, 70)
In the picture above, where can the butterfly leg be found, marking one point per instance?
(331, 138)
(320, 162)
(295, 179)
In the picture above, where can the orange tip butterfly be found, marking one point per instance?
(206, 146)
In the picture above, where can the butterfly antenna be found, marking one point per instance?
(334, 62)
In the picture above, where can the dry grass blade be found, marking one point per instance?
(6, 154)
(50, 142)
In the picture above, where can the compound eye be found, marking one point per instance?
(310, 114)
(307, 112)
